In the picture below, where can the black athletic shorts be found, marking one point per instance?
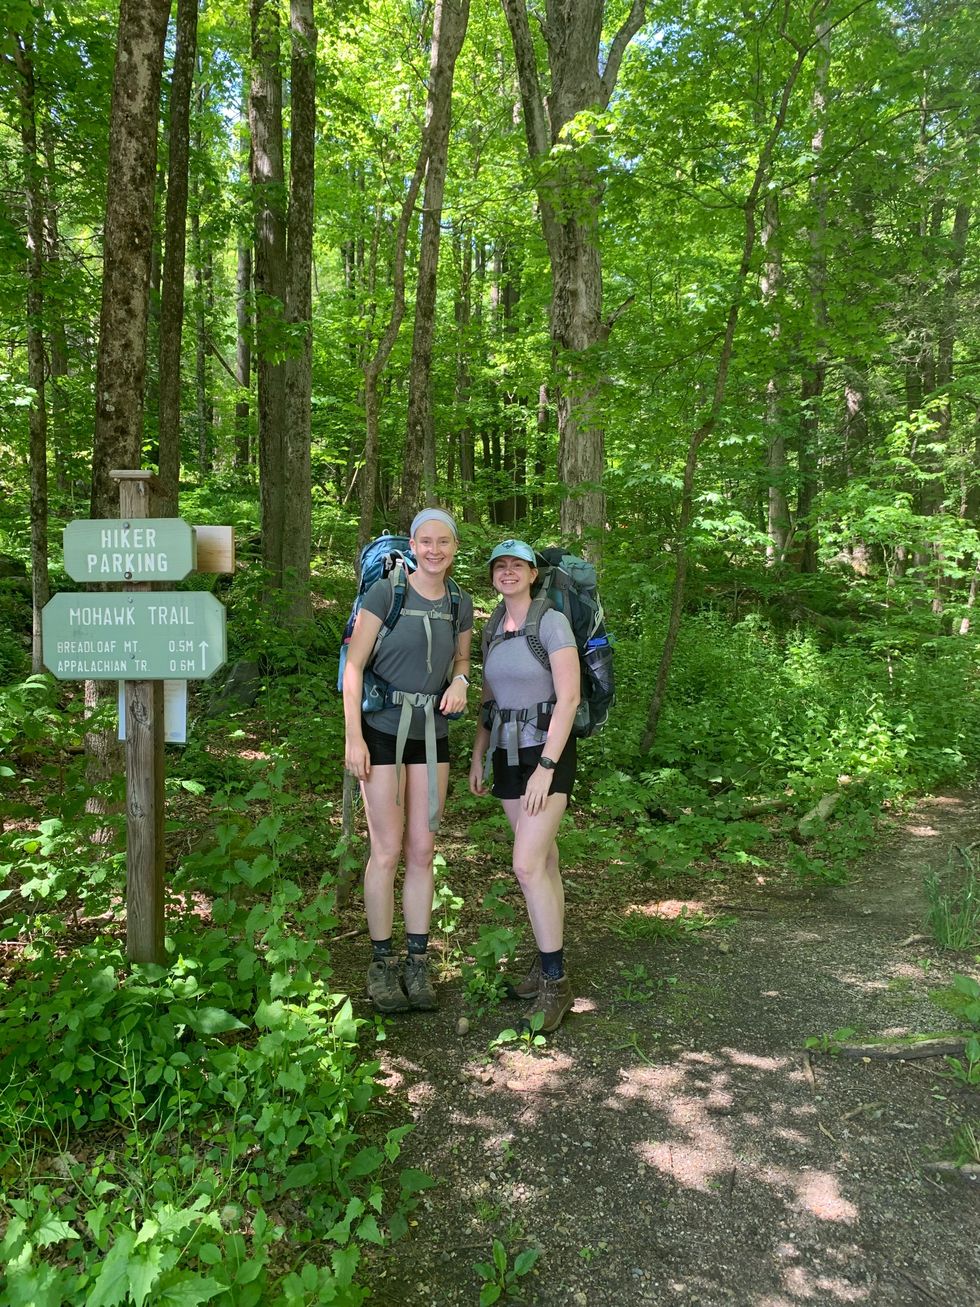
(381, 747)
(510, 782)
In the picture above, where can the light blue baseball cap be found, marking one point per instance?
(513, 549)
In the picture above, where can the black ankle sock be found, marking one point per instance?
(553, 964)
(381, 948)
(417, 944)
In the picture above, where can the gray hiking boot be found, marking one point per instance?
(527, 988)
(553, 1001)
(418, 983)
(384, 985)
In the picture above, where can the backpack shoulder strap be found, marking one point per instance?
(490, 631)
(539, 606)
(398, 580)
(455, 601)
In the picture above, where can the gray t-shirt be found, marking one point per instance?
(515, 678)
(402, 660)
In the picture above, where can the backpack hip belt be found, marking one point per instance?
(408, 700)
(504, 724)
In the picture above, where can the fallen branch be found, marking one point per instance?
(969, 1171)
(903, 1052)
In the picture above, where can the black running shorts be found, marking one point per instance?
(509, 782)
(381, 747)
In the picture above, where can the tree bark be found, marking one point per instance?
(57, 337)
(268, 189)
(243, 351)
(449, 22)
(38, 414)
(569, 195)
(770, 285)
(175, 228)
(121, 369)
(127, 245)
(296, 543)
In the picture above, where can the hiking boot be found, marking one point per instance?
(384, 985)
(527, 988)
(553, 1000)
(418, 983)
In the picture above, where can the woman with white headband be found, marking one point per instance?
(400, 754)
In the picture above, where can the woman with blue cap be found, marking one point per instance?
(525, 733)
(400, 753)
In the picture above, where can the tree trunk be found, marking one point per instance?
(419, 465)
(705, 428)
(569, 195)
(463, 310)
(268, 189)
(38, 415)
(243, 351)
(57, 337)
(815, 367)
(121, 369)
(777, 517)
(296, 544)
(127, 242)
(374, 367)
(175, 228)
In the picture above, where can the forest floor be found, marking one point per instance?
(676, 1141)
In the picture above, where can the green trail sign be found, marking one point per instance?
(134, 636)
(145, 549)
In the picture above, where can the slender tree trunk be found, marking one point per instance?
(175, 229)
(243, 350)
(815, 367)
(704, 429)
(38, 414)
(771, 285)
(419, 465)
(376, 364)
(569, 195)
(299, 311)
(57, 338)
(268, 188)
(463, 310)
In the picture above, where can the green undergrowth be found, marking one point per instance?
(204, 1131)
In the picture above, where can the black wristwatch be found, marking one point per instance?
(548, 764)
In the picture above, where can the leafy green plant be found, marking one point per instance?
(499, 1278)
(954, 901)
(965, 1145)
(829, 1041)
(446, 903)
(637, 925)
(640, 985)
(529, 1034)
(497, 941)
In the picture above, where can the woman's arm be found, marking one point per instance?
(567, 676)
(480, 743)
(356, 757)
(454, 700)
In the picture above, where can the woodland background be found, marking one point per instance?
(692, 287)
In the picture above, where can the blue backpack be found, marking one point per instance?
(386, 556)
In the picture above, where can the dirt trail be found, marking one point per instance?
(683, 1148)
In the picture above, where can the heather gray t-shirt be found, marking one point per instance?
(516, 679)
(401, 660)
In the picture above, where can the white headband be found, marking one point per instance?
(434, 515)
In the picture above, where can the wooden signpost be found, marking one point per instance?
(141, 636)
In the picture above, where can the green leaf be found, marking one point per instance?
(188, 1289)
(368, 1230)
(213, 1021)
(112, 1285)
(526, 1260)
(292, 1077)
(53, 1230)
(144, 1273)
(413, 1181)
(499, 1256)
(364, 1162)
(300, 1176)
(489, 1294)
(345, 1262)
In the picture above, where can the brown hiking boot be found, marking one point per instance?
(418, 983)
(554, 999)
(528, 987)
(384, 985)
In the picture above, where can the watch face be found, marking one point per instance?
(547, 763)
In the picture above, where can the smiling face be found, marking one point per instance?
(434, 545)
(511, 576)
